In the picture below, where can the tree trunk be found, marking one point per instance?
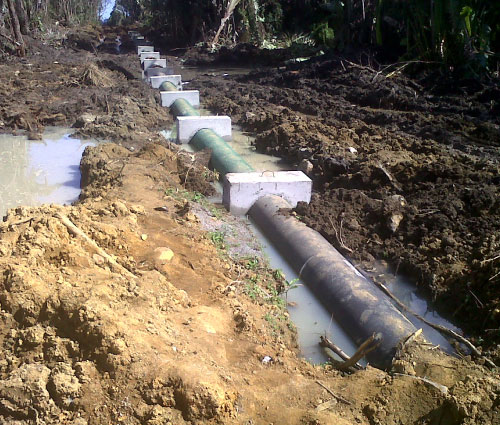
(16, 30)
(23, 17)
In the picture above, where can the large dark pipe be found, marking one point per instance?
(355, 302)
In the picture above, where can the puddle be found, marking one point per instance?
(39, 172)
(190, 72)
(406, 292)
(242, 144)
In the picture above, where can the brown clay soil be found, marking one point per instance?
(122, 309)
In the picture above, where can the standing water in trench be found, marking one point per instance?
(42, 171)
(309, 316)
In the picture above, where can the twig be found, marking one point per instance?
(440, 328)
(411, 338)
(18, 223)
(442, 388)
(339, 398)
(339, 237)
(367, 347)
(389, 176)
(326, 343)
(77, 232)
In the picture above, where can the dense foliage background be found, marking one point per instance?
(458, 35)
(455, 33)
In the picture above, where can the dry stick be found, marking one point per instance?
(389, 176)
(77, 232)
(440, 328)
(412, 337)
(339, 398)
(364, 349)
(442, 388)
(339, 238)
(326, 343)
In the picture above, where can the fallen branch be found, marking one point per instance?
(367, 347)
(339, 398)
(326, 343)
(79, 233)
(439, 328)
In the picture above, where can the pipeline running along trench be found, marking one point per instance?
(356, 303)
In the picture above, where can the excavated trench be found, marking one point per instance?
(309, 315)
(35, 180)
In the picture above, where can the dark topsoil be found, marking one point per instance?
(405, 170)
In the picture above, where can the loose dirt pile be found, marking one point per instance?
(403, 173)
(122, 309)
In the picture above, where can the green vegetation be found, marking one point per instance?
(217, 239)
(186, 195)
(456, 35)
(266, 286)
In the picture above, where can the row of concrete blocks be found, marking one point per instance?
(240, 190)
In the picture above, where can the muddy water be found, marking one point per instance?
(38, 172)
(406, 292)
(189, 72)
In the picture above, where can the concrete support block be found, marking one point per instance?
(142, 49)
(156, 72)
(157, 63)
(133, 33)
(169, 97)
(187, 127)
(242, 190)
(138, 39)
(157, 81)
(149, 55)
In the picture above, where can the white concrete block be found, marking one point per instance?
(187, 127)
(169, 97)
(142, 49)
(242, 190)
(149, 55)
(157, 63)
(138, 38)
(157, 81)
(154, 72)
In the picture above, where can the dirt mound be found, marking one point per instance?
(97, 95)
(99, 325)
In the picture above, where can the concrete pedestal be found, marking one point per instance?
(149, 55)
(187, 127)
(242, 190)
(142, 49)
(157, 63)
(169, 97)
(157, 81)
(155, 72)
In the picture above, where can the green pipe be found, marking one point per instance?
(182, 108)
(224, 159)
(168, 86)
